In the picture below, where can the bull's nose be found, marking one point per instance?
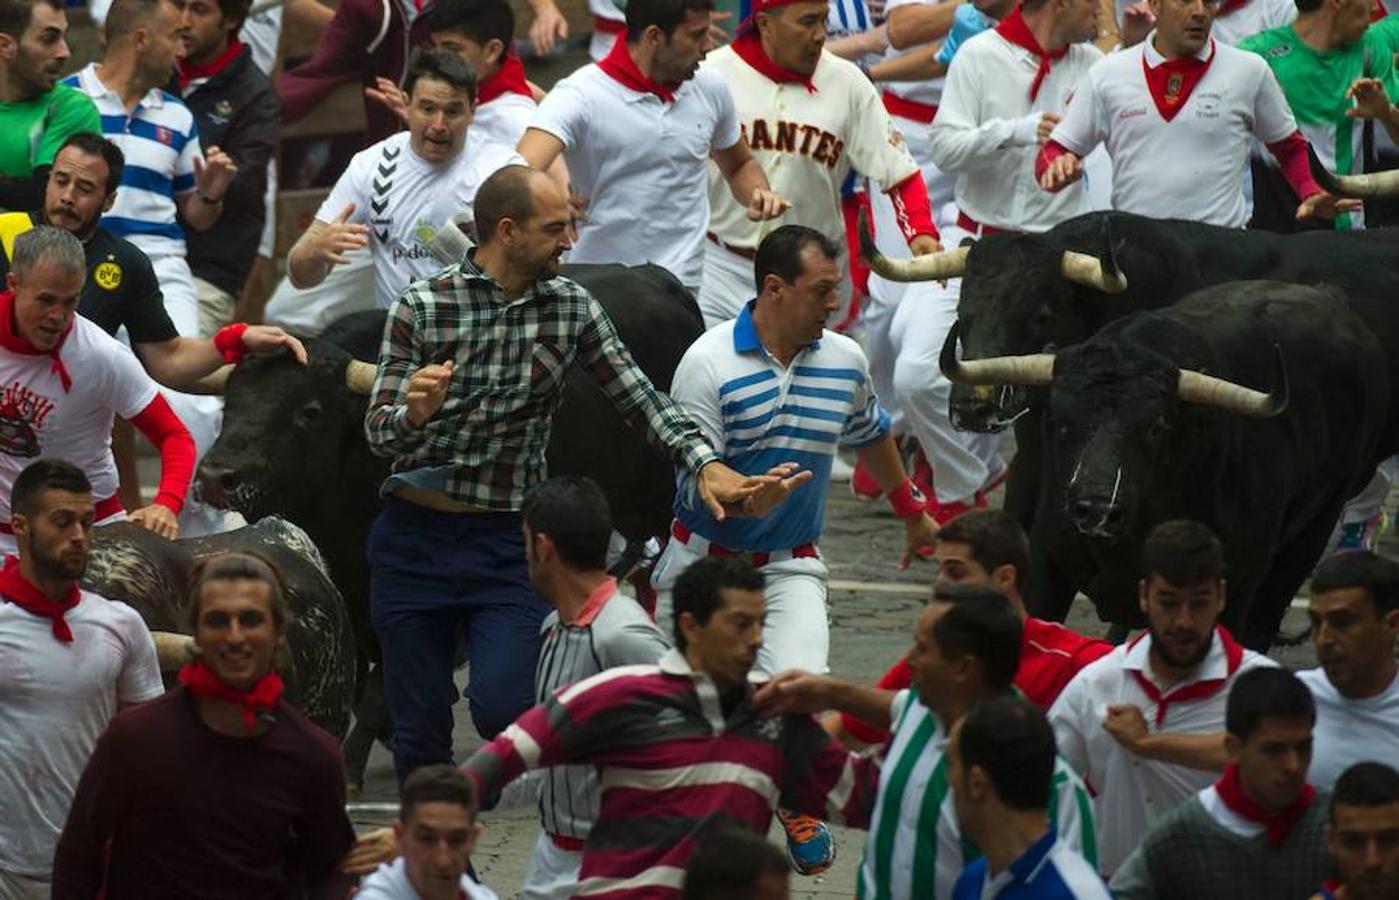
(1097, 517)
(972, 414)
(215, 478)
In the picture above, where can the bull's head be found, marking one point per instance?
(288, 431)
(1112, 409)
(1016, 298)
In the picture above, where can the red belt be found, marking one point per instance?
(609, 26)
(563, 842)
(967, 223)
(745, 252)
(102, 509)
(758, 558)
(912, 110)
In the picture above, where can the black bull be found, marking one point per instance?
(293, 443)
(1136, 435)
(1024, 293)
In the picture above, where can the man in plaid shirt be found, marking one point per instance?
(470, 373)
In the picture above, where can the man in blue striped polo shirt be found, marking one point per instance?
(774, 386)
(165, 174)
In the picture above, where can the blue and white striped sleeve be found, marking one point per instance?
(848, 17)
(184, 166)
(869, 420)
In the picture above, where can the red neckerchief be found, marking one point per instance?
(1014, 29)
(189, 71)
(508, 79)
(17, 589)
(19, 344)
(1278, 824)
(1171, 82)
(623, 70)
(201, 681)
(749, 47)
(1198, 690)
(1231, 6)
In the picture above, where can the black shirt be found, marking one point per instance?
(121, 286)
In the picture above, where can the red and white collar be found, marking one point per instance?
(1155, 58)
(597, 599)
(1214, 667)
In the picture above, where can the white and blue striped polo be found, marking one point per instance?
(844, 16)
(161, 142)
(1048, 870)
(757, 414)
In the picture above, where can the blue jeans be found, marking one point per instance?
(439, 579)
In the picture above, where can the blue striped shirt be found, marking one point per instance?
(160, 141)
(757, 414)
(1048, 870)
(844, 17)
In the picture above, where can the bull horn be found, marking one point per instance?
(1088, 270)
(932, 267)
(1207, 390)
(214, 383)
(1374, 184)
(172, 649)
(359, 376)
(1034, 370)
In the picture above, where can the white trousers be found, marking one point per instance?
(346, 289)
(201, 415)
(22, 887)
(553, 871)
(797, 634)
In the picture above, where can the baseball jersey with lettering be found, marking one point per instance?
(806, 143)
(1192, 166)
(405, 199)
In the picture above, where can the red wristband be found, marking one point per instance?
(228, 340)
(907, 501)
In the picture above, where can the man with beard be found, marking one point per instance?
(1259, 830)
(65, 379)
(36, 114)
(1166, 687)
(471, 371)
(637, 131)
(220, 788)
(69, 660)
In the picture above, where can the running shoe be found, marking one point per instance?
(810, 847)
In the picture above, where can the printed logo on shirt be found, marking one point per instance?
(1278, 52)
(164, 135)
(1132, 113)
(222, 113)
(770, 729)
(107, 275)
(22, 414)
(791, 137)
(379, 199)
(1207, 105)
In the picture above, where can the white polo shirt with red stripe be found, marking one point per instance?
(1131, 794)
(38, 417)
(643, 164)
(1191, 167)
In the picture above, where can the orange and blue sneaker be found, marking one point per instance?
(810, 847)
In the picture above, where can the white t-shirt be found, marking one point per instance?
(262, 33)
(1132, 793)
(985, 131)
(55, 699)
(1191, 167)
(390, 882)
(643, 165)
(404, 200)
(504, 119)
(1251, 18)
(806, 144)
(1350, 731)
(39, 418)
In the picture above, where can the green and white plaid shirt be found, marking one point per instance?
(511, 358)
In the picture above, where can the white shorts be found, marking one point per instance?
(797, 634)
(553, 871)
(346, 289)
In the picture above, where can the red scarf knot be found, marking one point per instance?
(623, 69)
(1278, 824)
(1173, 80)
(189, 71)
(12, 340)
(749, 47)
(20, 591)
(1196, 690)
(1014, 29)
(508, 79)
(201, 681)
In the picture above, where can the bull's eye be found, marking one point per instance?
(308, 414)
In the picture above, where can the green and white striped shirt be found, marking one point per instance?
(915, 849)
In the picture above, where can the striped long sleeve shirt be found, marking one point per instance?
(511, 360)
(670, 762)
